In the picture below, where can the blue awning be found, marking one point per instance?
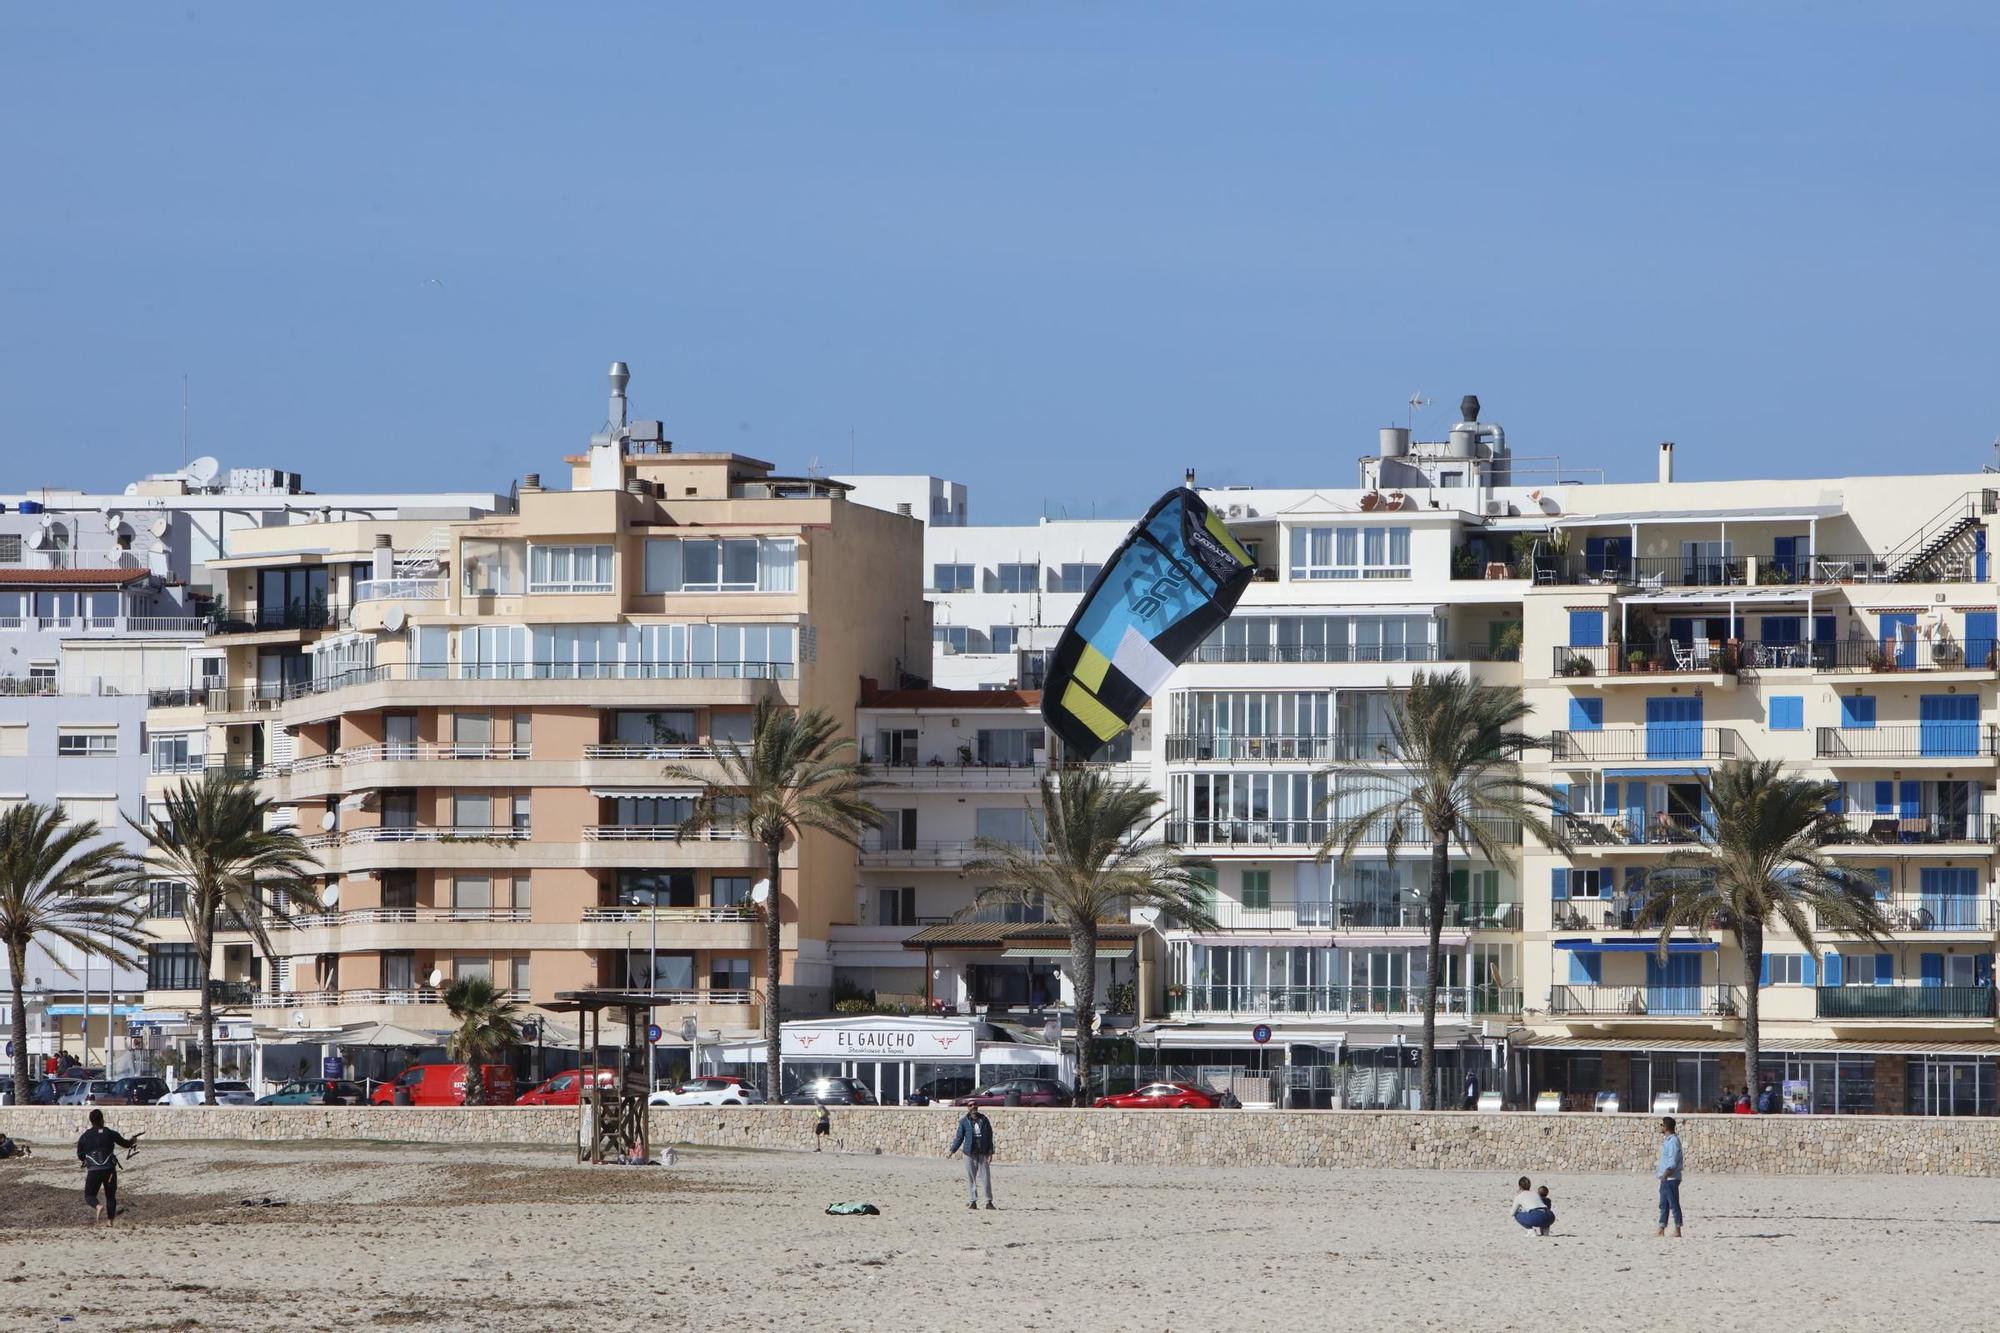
(1637, 946)
(1665, 772)
(96, 1010)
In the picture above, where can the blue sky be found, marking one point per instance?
(1056, 251)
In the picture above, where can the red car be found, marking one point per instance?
(561, 1089)
(1163, 1096)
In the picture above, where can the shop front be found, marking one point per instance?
(895, 1057)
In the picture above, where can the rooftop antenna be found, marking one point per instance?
(184, 419)
(1995, 465)
(1417, 404)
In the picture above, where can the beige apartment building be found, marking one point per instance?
(470, 725)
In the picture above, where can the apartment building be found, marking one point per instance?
(471, 726)
(104, 606)
(1845, 626)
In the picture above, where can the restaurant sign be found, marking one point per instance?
(886, 1041)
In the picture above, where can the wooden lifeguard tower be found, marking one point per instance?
(611, 1113)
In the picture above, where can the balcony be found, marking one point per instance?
(961, 777)
(1904, 1002)
(294, 616)
(1249, 834)
(918, 855)
(1351, 654)
(1200, 1001)
(1662, 829)
(395, 916)
(1924, 914)
(1646, 744)
(1222, 747)
(665, 753)
(120, 625)
(1614, 662)
(457, 682)
(468, 833)
(353, 998)
(666, 999)
(403, 590)
(659, 833)
(1406, 912)
(1893, 830)
(1668, 1002)
(1650, 573)
(1922, 740)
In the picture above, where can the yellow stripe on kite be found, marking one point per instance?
(1084, 706)
(1217, 530)
(1090, 668)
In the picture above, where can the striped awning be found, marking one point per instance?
(1105, 953)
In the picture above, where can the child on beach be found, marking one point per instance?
(1534, 1209)
(822, 1126)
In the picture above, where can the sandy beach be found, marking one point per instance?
(366, 1235)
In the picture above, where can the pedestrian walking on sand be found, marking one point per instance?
(822, 1126)
(975, 1136)
(97, 1149)
(1672, 1163)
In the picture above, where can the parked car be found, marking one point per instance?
(832, 1091)
(562, 1089)
(1018, 1092)
(140, 1090)
(317, 1092)
(444, 1085)
(88, 1092)
(1164, 1096)
(940, 1090)
(228, 1092)
(711, 1090)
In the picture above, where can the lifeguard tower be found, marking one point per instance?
(611, 1113)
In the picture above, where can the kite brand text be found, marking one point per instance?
(1156, 594)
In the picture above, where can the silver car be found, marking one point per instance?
(227, 1093)
(85, 1092)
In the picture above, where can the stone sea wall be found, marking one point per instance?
(1447, 1140)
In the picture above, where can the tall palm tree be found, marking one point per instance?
(1449, 773)
(1089, 861)
(1763, 859)
(797, 774)
(489, 1024)
(57, 880)
(213, 839)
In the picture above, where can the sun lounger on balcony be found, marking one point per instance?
(1881, 830)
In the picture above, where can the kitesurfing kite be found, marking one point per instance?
(1176, 577)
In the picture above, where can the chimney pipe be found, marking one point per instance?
(1189, 480)
(385, 559)
(1666, 461)
(621, 375)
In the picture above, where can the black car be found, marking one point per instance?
(832, 1091)
(939, 1090)
(139, 1090)
(1018, 1092)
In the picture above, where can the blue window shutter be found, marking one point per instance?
(1764, 972)
(1788, 712)
(1932, 968)
(1559, 883)
(1885, 797)
(1559, 801)
(1593, 967)
(1912, 800)
(1885, 969)
(1586, 629)
(1586, 714)
(1579, 969)
(1833, 970)
(1857, 710)
(1808, 971)
(1836, 802)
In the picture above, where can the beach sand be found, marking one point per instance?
(408, 1236)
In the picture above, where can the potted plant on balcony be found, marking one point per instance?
(1636, 660)
(1576, 664)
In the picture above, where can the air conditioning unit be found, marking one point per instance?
(1495, 508)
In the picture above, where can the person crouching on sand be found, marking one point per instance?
(1534, 1210)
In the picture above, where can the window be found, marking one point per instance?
(10, 549)
(1016, 578)
(656, 888)
(951, 578)
(399, 971)
(492, 568)
(896, 907)
(653, 726)
(1586, 714)
(729, 974)
(1001, 638)
(569, 569)
(1785, 969)
(1857, 711)
(1014, 747)
(472, 728)
(1008, 823)
(521, 813)
(721, 564)
(172, 967)
(734, 727)
(1788, 712)
(177, 753)
(472, 811)
(14, 740)
(472, 893)
(1256, 890)
(1073, 577)
(465, 967)
(952, 638)
(166, 898)
(1350, 553)
(729, 891)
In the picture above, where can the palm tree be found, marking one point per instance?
(213, 839)
(1090, 862)
(797, 774)
(57, 880)
(1763, 859)
(488, 1025)
(1449, 772)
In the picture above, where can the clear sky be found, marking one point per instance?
(1056, 251)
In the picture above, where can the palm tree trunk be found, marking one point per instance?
(773, 961)
(1083, 980)
(17, 960)
(207, 947)
(1433, 962)
(1750, 942)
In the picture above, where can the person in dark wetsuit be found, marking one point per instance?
(98, 1149)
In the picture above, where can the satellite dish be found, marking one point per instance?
(1146, 916)
(328, 820)
(113, 519)
(202, 471)
(298, 1018)
(436, 978)
(158, 527)
(329, 897)
(41, 535)
(393, 618)
(760, 892)
(128, 560)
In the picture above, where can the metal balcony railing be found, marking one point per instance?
(1923, 913)
(666, 998)
(270, 694)
(1318, 654)
(1893, 656)
(1646, 743)
(397, 916)
(1221, 747)
(410, 995)
(1304, 832)
(295, 615)
(407, 590)
(1646, 1001)
(1664, 658)
(659, 833)
(700, 916)
(1919, 829)
(634, 750)
(1405, 912)
(436, 833)
(1659, 829)
(1649, 572)
(1921, 740)
(1913, 1002)
(1406, 1000)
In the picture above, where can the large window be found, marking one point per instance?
(953, 638)
(653, 726)
(77, 744)
(1017, 578)
(1331, 638)
(656, 888)
(951, 578)
(569, 569)
(180, 752)
(1013, 824)
(1009, 746)
(492, 568)
(166, 898)
(173, 967)
(720, 564)
(292, 598)
(1350, 553)
(1073, 577)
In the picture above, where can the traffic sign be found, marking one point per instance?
(332, 1066)
(653, 1033)
(1261, 1033)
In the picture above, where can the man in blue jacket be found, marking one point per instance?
(975, 1136)
(1672, 1163)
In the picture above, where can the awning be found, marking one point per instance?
(1006, 1053)
(389, 1034)
(1741, 597)
(1105, 952)
(645, 793)
(1683, 771)
(1411, 939)
(1795, 1046)
(78, 1010)
(1637, 946)
(1795, 514)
